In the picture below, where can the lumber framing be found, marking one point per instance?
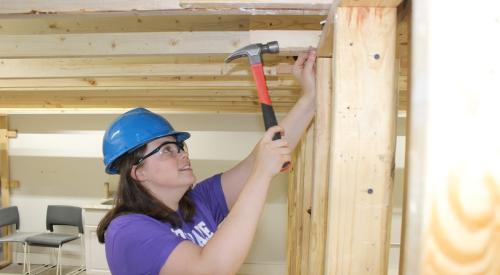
(74, 6)
(325, 45)
(157, 21)
(5, 182)
(363, 140)
(320, 177)
(299, 205)
(453, 214)
(214, 85)
(256, 4)
(144, 43)
(136, 66)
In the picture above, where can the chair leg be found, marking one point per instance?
(24, 257)
(59, 268)
(29, 258)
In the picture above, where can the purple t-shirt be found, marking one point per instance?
(138, 244)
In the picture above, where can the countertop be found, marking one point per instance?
(104, 204)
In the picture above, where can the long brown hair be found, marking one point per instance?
(133, 197)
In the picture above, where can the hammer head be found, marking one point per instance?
(254, 52)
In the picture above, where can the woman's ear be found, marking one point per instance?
(137, 173)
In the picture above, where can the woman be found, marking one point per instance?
(161, 224)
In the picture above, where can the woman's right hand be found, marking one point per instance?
(271, 154)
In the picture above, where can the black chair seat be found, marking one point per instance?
(18, 237)
(50, 239)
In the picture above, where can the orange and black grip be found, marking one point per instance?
(266, 104)
(269, 118)
(264, 99)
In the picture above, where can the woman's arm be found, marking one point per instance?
(294, 124)
(227, 249)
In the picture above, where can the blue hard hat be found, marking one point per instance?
(132, 130)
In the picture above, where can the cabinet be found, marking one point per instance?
(95, 255)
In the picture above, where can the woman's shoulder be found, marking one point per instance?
(209, 182)
(131, 222)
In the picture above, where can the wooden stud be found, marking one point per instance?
(5, 179)
(368, 3)
(155, 21)
(292, 235)
(150, 43)
(298, 203)
(325, 45)
(256, 4)
(363, 140)
(145, 83)
(403, 54)
(307, 186)
(55, 6)
(322, 133)
(453, 214)
(83, 67)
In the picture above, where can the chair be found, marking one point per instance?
(10, 216)
(59, 215)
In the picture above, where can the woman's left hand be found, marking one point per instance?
(304, 71)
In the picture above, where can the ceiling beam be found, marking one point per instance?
(136, 83)
(132, 66)
(154, 22)
(53, 6)
(117, 100)
(152, 43)
(286, 4)
(257, 4)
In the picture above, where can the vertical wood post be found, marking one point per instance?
(299, 201)
(5, 181)
(293, 216)
(363, 141)
(320, 166)
(453, 213)
(307, 186)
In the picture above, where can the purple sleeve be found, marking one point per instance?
(209, 192)
(137, 244)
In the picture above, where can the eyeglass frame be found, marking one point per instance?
(180, 147)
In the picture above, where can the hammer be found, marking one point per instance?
(254, 52)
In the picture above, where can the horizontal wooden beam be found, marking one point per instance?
(154, 22)
(157, 109)
(256, 4)
(103, 67)
(8, 97)
(53, 6)
(368, 3)
(178, 100)
(162, 108)
(133, 44)
(151, 83)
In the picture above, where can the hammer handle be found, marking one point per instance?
(266, 104)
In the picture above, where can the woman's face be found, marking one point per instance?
(168, 167)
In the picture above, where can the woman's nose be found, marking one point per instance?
(182, 154)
